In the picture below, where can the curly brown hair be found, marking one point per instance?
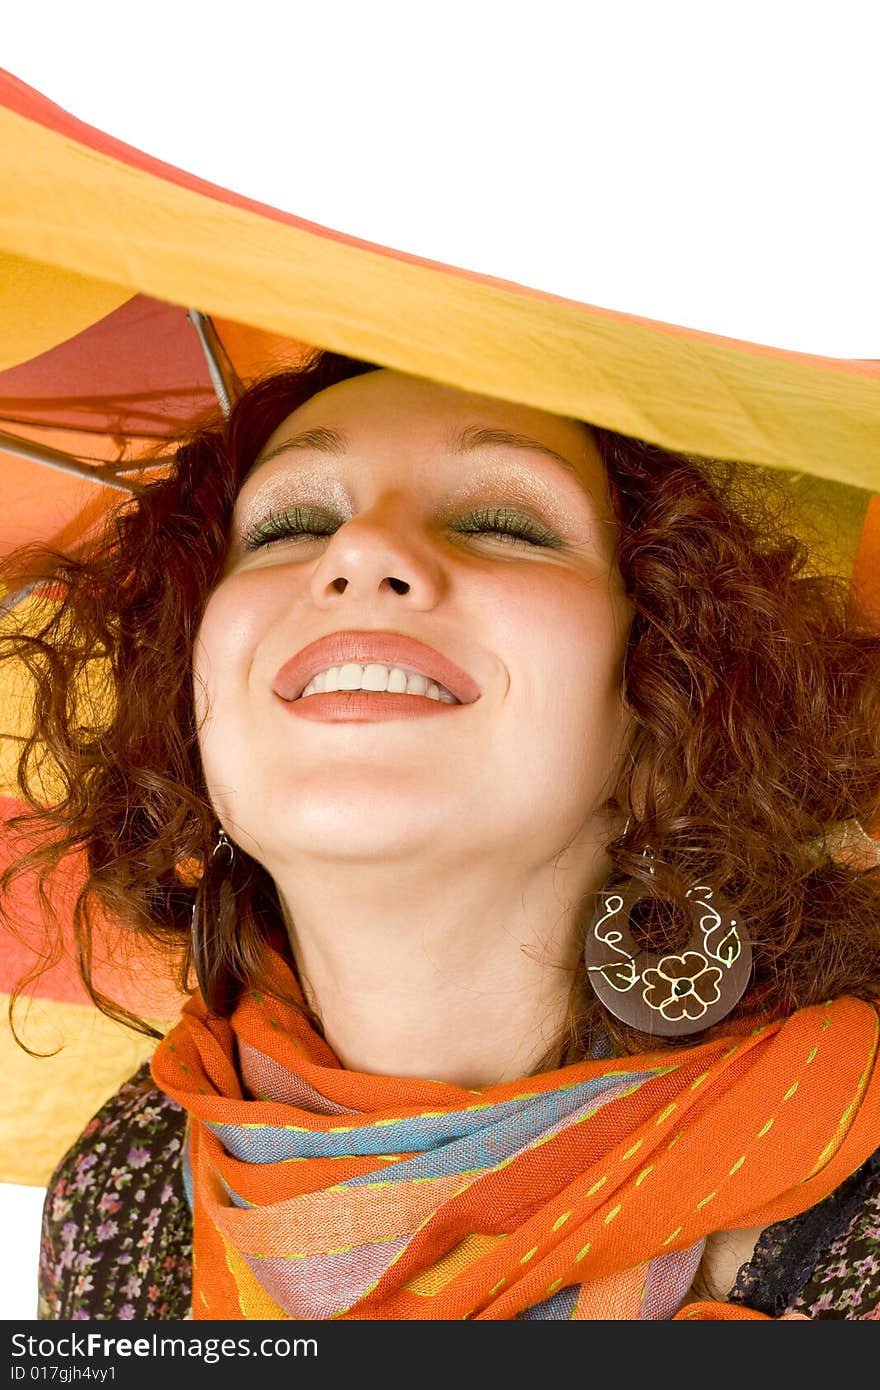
(753, 681)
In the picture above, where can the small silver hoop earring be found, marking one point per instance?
(213, 912)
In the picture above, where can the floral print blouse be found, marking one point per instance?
(117, 1229)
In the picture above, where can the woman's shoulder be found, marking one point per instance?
(824, 1263)
(116, 1239)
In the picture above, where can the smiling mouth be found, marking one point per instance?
(369, 662)
(370, 706)
(376, 678)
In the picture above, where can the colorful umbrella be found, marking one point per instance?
(135, 296)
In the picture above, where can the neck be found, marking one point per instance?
(468, 983)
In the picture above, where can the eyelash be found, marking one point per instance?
(299, 521)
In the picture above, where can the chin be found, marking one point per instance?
(340, 830)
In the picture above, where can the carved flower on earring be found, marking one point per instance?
(684, 986)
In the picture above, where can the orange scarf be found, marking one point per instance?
(583, 1193)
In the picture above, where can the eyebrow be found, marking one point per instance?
(473, 437)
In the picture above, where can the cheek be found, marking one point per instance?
(238, 614)
(210, 655)
(222, 652)
(567, 633)
(223, 655)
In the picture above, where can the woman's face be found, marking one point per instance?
(389, 507)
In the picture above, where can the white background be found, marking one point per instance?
(710, 165)
(20, 1209)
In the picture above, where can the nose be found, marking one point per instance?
(379, 552)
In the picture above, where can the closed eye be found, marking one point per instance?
(300, 522)
(512, 525)
(289, 525)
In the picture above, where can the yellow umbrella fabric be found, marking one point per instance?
(98, 239)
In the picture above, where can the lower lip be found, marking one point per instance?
(366, 707)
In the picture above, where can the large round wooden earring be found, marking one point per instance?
(675, 993)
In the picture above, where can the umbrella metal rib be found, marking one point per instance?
(56, 458)
(223, 377)
(226, 385)
(9, 602)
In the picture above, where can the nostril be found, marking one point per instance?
(340, 585)
(399, 586)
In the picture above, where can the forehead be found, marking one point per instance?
(385, 406)
(383, 394)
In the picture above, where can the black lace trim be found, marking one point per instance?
(787, 1253)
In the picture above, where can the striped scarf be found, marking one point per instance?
(586, 1192)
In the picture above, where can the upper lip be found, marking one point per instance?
(389, 648)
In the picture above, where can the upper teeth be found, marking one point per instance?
(375, 676)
